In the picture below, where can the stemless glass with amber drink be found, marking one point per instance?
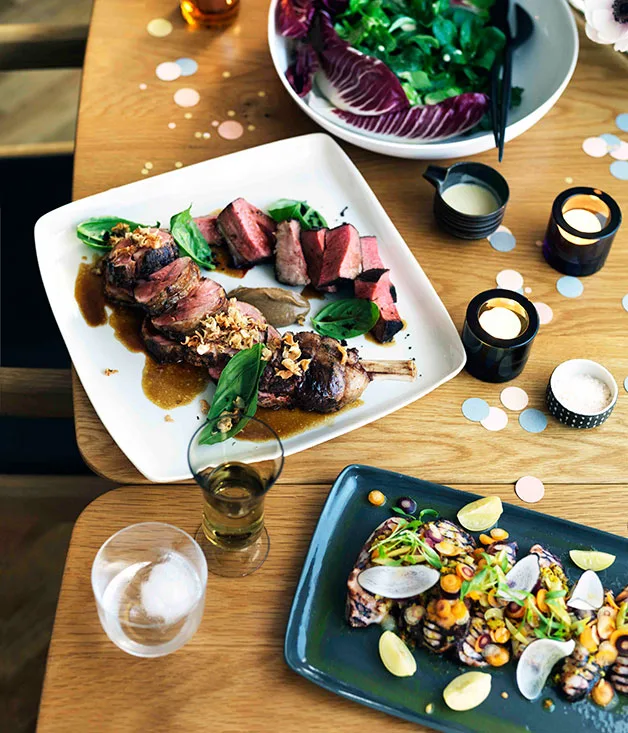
(210, 13)
(234, 474)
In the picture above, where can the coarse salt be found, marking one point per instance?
(582, 393)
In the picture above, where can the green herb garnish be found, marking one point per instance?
(285, 209)
(188, 236)
(345, 319)
(236, 394)
(96, 232)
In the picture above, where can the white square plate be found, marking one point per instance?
(312, 168)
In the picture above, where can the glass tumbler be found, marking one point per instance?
(149, 583)
(234, 474)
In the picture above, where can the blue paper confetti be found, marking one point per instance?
(533, 421)
(187, 66)
(569, 286)
(475, 409)
(622, 121)
(502, 241)
(611, 140)
(619, 169)
(624, 302)
(626, 384)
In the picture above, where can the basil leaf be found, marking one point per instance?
(188, 236)
(285, 209)
(345, 319)
(239, 381)
(95, 232)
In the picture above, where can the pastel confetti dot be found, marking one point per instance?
(626, 384)
(611, 140)
(538, 243)
(159, 27)
(188, 115)
(261, 93)
(527, 290)
(595, 147)
(148, 165)
(144, 171)
(533, 421)
(230, 130)
(167, 71)
(624, 302)
(514, 398)
(178, 164)
(250, 128)
(198, 134)
(622, 121)
(215, 123)
(530, 489)
(620, 152)
(231, 113)
(545, 313)
(619, 169)
(475, 409)
(568, 179)
(187, 66)
(497, 419)
(569, 286)
(186, 97)
(206, 135)
(226, 74)
(143, 86)
(509, 279)
(502, 239)
(172, 125)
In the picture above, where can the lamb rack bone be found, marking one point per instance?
(399, 369)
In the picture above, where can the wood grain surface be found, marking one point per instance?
(231, 677)
(121, 127)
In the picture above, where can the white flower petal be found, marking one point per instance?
(606, 25)
(593, 35)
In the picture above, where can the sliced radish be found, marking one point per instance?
(588, 593)
(403, 581)
(536, 662)
(524, 575)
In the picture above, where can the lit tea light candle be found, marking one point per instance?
(581, 229)
(501, 323)
(498, 333)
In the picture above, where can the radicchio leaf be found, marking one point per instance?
(352, 81)
(335, 7)
(294, 17)
(301, 71)
(427, 122)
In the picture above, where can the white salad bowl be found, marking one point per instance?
(543, 66)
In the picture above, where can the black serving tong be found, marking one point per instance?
(517, 25)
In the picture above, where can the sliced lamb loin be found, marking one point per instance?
(160, 347)
(249, 233)
(313, 246)
(290, 265)
(206, 299)
(375, 285)
(370, 254)
(342, 256)
(166, 287)
(209, 229)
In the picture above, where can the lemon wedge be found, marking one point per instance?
(467, 691)
(482, 514)
(592, 560)
(396, 656)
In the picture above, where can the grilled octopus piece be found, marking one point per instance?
(437, 634)
(510, 551)
(442, 529)
(466, 650)
(618, 675)
(578, 673)
(364, 608)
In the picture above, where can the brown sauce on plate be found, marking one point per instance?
(369, 337)
(222, 258)
(310, 293)
(126, 324)
(90, 295)
(172, 385)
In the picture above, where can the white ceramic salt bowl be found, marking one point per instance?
(570, 369)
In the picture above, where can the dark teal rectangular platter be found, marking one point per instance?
(321, 646)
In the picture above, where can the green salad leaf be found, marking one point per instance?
(96, 232)
(236, 395)
(345, 319)
(188, 236)
(285, 209)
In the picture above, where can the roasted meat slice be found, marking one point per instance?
(375, 285)
(208, 298)
(371, 259)
(209, 229)
(135, 257)
(290, 266)
(313, 246)
(166, 287)
(578, 673)
(249, 233)
(160, 347)
(364, 608)
(342, 256)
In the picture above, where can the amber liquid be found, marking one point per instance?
(210, 13)
(233, 507)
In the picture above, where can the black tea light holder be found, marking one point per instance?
(581, 251)
(489, 357)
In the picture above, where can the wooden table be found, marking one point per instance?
(120, 128)
(231, 677)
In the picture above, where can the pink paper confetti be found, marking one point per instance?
(595, 147)
(545, 313)
(497, 420)
(620, 152)
(514, 398)
(186, 97)
(168, 71)
(509, 279)
(230, 130)
(530, 489)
